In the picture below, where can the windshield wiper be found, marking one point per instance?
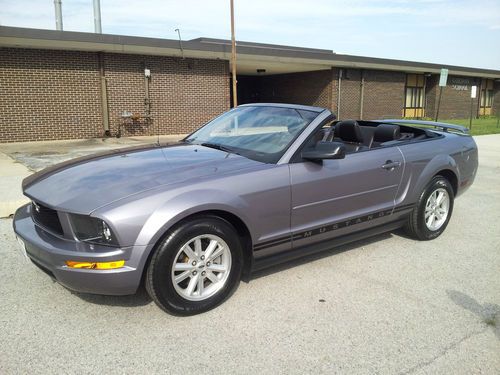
(219, 147)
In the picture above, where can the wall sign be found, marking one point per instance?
(460, 84)
(473, 92)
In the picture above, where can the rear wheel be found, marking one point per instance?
(196, 267)
(434, 208)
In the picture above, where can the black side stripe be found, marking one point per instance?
(340, 225)
(404, 207)
(330, 227)
(275, 242)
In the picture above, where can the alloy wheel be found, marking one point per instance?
(201, 267)
(436, 209)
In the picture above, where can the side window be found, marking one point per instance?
(319, 134)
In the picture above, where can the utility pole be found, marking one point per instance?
(439, 102)
(233, 56)
(443, 78)
(97, 17)
(58, 9)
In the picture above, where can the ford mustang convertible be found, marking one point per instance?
(258, 185)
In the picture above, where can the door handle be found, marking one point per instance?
(391, 165)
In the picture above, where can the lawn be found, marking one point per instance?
(480, 126)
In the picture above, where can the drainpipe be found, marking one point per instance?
(362, 95)
(147, 99)
(58, 9)
(104, 95)
(97, 17)
(338, 94)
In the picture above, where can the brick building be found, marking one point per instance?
(64, 85)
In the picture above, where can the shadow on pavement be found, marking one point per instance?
(489, 313)
(141, 298)
(322, 254)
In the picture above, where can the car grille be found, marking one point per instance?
(46, 218)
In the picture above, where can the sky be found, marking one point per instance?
(456, 32)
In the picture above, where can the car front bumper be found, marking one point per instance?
(50, 253)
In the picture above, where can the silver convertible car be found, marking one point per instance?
(258, 185)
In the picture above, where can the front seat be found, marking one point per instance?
(349, 132)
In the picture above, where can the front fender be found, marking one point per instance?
(145, 220)
(180, 206)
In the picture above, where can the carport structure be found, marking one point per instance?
(64, 85)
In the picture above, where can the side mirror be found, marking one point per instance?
(325, 150)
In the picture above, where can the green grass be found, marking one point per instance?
(491, 321)
(480, 126)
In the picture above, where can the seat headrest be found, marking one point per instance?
(349, 131)
(386, 133)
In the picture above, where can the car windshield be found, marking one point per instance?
(259, 133)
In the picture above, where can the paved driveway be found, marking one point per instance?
(388, 305)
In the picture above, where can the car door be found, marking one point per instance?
(336, 197)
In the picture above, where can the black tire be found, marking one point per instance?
(158, 281)
(416, 226)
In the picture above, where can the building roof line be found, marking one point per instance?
(263, 45)
(218, 48)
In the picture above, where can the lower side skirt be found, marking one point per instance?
(303, 251)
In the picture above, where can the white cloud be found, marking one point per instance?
(390, 28)
(161, 17)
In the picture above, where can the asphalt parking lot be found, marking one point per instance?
(388, 305)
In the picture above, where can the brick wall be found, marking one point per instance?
(455, 99)
(431, 95)
(350, 94)
(384, 94)
(382, 98)
(496, 99)
(308, 88)
(184, 93)
(48, 94)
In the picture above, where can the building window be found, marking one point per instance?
(486, 97)
(414, 96)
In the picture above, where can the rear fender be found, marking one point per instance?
(418, 181)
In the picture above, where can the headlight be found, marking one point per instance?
(92, 229)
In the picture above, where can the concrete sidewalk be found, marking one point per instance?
(11, 176)
(18, 160)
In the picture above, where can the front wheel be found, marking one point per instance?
(196, 267)
(432, 214)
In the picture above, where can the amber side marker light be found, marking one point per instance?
(96, 265)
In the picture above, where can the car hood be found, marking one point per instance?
(85, 184)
